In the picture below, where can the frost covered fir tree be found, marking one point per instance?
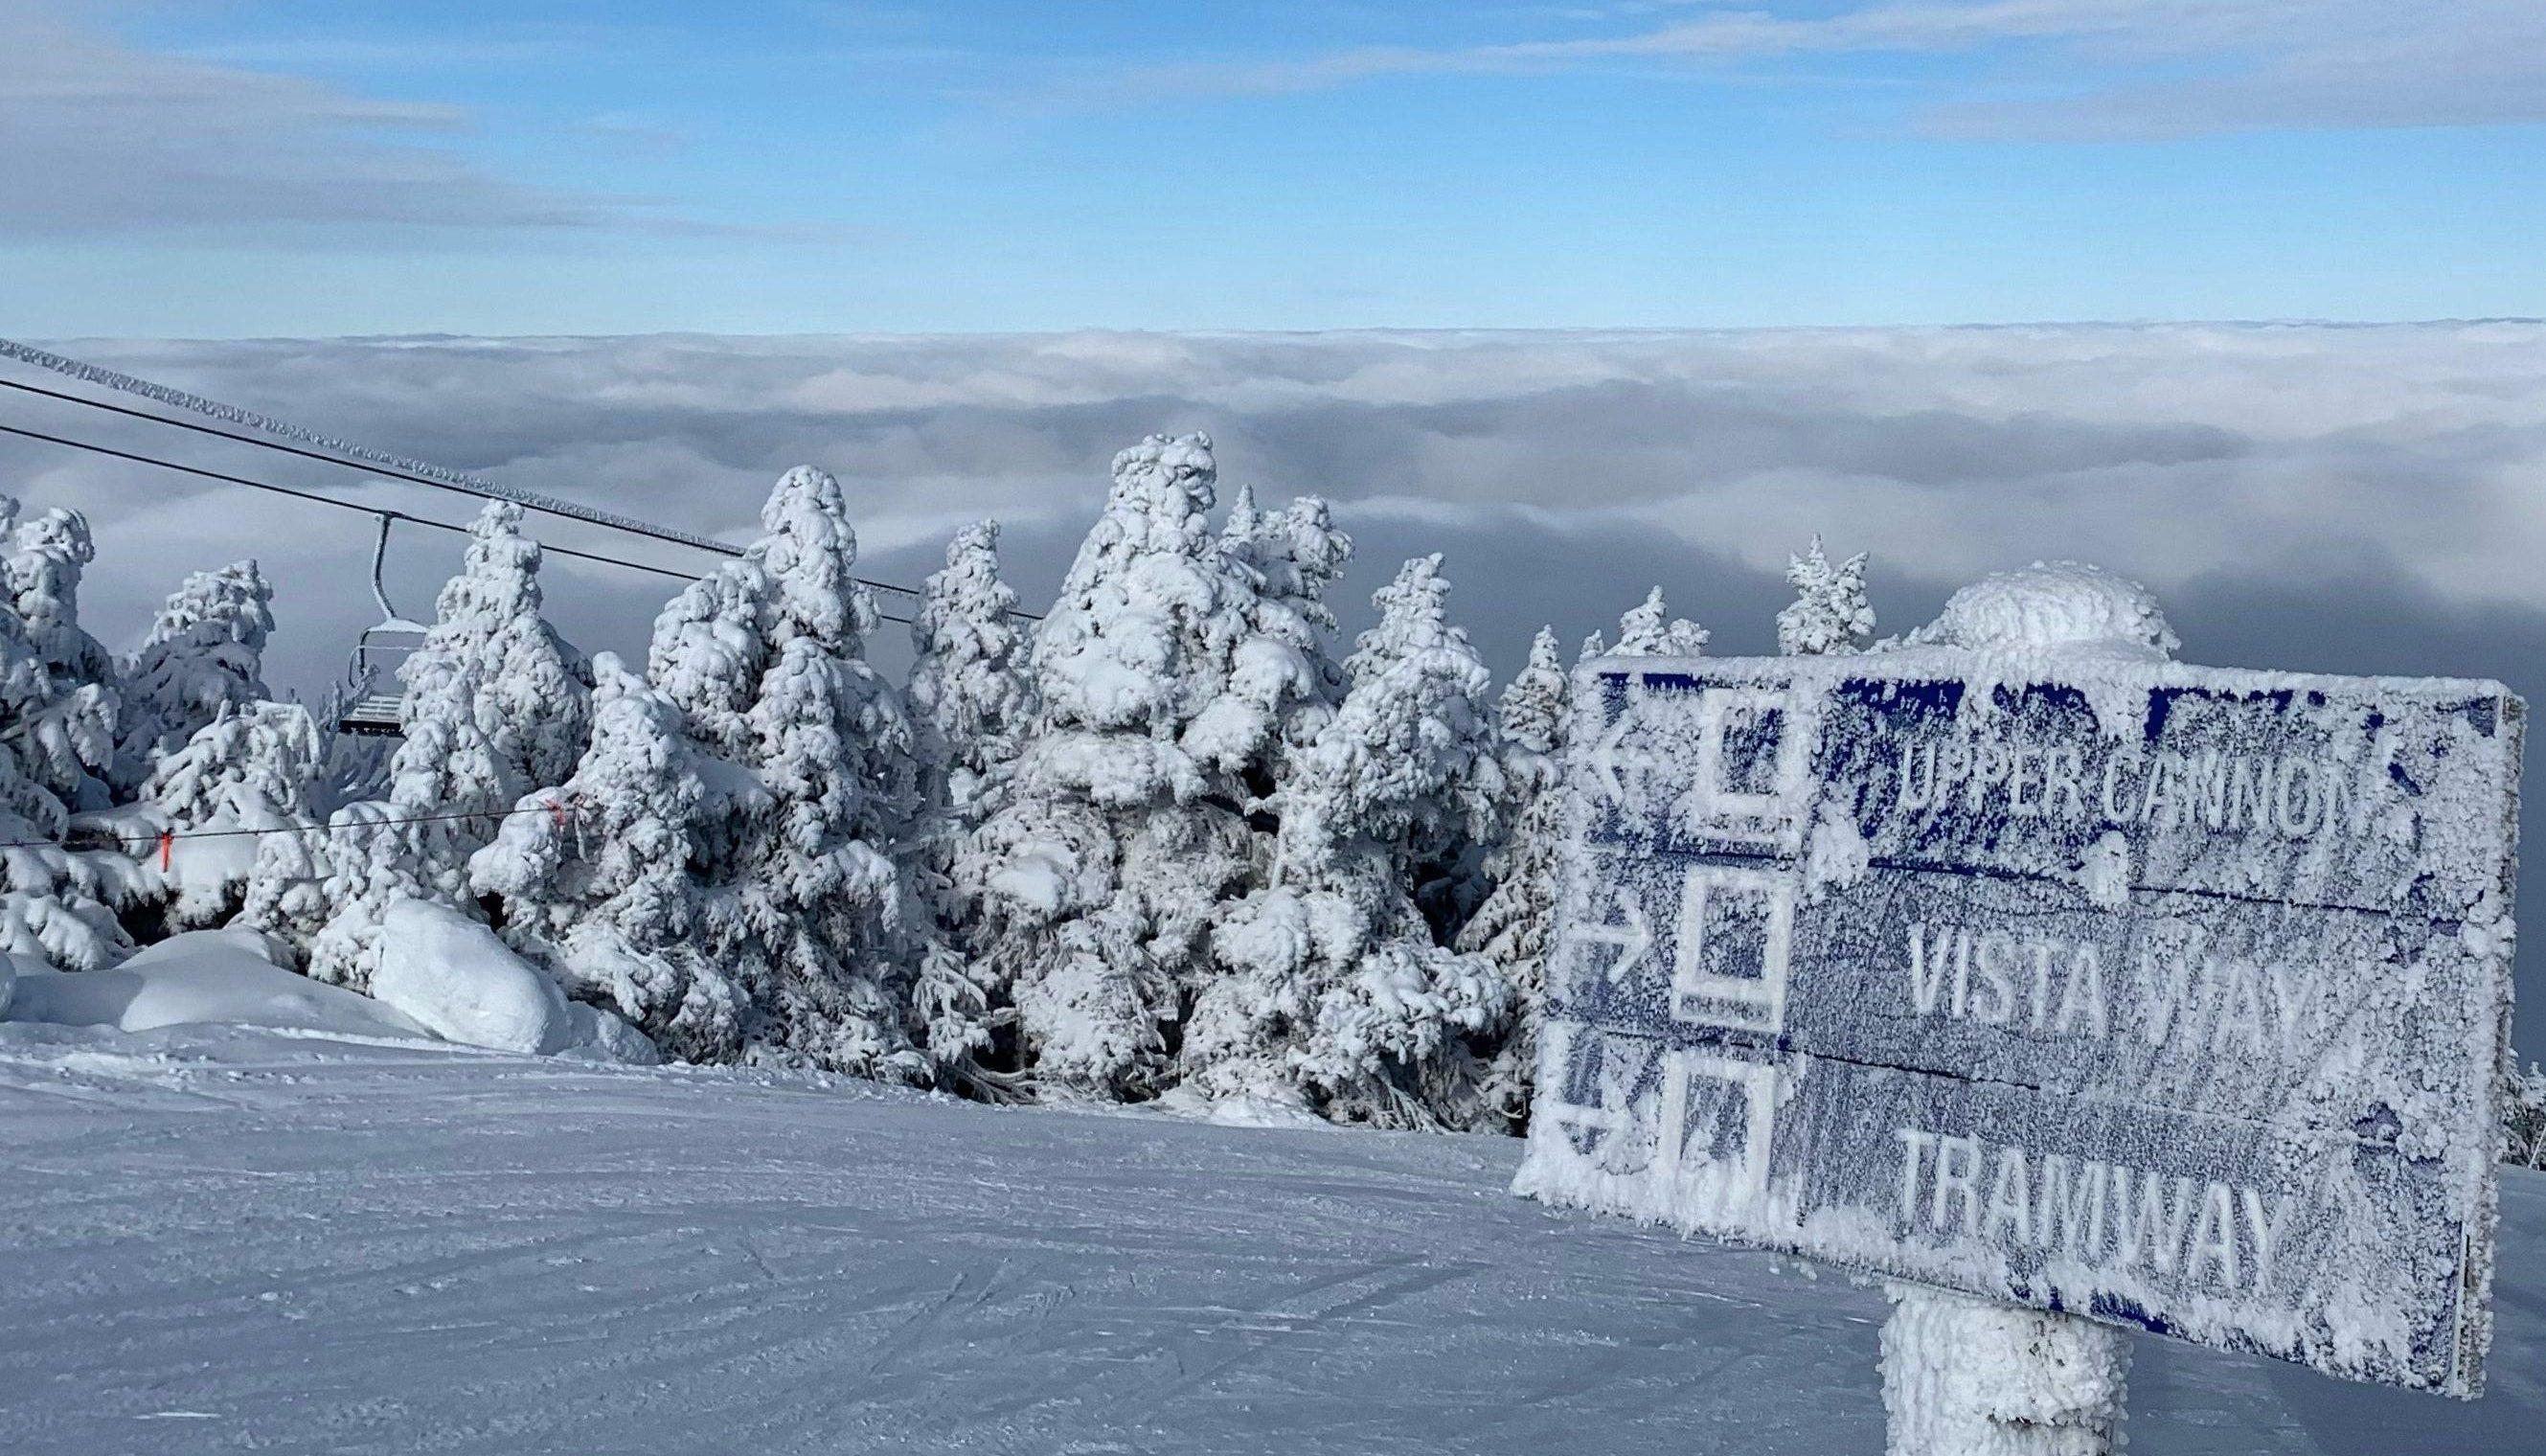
(805, 909)
(1293, 555)
(286, 895)
(1829, 612)
(242, 778)
(1283, 669)
(607, 878)
(969, 696)
(970, 701)
(204, 654)
(1160, 695)
(496, 703)
(1514, 926)
(57, 734)
(820, 894)
(492, 663)
(1337, 993)
(48, 554)
(2523, 1117)
(1650, 630)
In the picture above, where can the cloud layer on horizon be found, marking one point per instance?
(2297, 458)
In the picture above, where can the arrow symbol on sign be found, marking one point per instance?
(1632, 936)
(1606, 754)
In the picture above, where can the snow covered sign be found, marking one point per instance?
(2171, 997)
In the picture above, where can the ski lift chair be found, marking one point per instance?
(373, 695)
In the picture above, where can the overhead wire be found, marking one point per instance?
(366, 462)
(559, 808)
(315, 498)
(121, 382)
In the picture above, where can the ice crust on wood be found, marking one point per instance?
(1967, 1377)
(2248, 968)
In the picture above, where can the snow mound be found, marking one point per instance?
(2058, 605)
(605, 1036)
(1269, 1106)
(202, 976)
(456, 978)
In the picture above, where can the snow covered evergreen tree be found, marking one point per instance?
(496, 703)
(48, 555)
(970, 702)
(607, 878)
(250, 769)
(57, 735)
(970, 698)
(1295, 555)
(286, 895)
(820, 896)
(1514, 926)
(770, 749)
(818, 887)
(204, 654)
(1829, 612)
(2524, 1117)
(1650, 630)
(1160, 695)
(1337, 993)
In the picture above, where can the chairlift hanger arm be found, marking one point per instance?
(380, 562)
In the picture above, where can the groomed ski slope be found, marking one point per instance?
(220, 1239)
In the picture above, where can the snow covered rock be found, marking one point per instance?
(463, 985)
(2050, 606)
(234, 977)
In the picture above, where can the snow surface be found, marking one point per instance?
(222, 1240)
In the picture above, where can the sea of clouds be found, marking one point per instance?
(2338, 498)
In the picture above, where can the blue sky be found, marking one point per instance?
(268, 169)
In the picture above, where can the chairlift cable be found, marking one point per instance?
(367, 460)
(528, 500)
(348, 506)
(417, 469)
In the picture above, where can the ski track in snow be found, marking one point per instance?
(220, 1239)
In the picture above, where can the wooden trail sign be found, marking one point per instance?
(2175, 997)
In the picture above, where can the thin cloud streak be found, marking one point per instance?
(2268, 63)
(105, 138)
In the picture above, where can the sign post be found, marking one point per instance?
(2073, 993)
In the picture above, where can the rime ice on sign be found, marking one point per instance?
(2168, 995)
